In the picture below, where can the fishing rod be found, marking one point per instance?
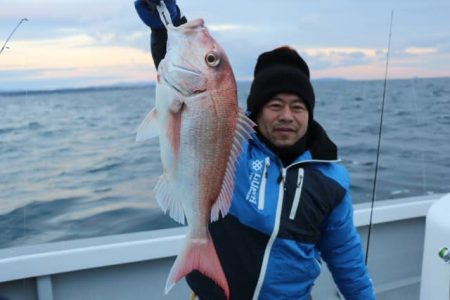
(379, 140)
(11, 34)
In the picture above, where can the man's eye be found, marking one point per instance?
(298, 108)
(275, 106)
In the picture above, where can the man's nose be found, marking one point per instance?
(286, 113)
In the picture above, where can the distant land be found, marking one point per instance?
(149, 84)
(118, 86)
(127, 85)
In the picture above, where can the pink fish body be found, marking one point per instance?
(200, 129)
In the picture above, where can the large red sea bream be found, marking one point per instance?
(200, 129)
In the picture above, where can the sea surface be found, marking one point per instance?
(70, 167)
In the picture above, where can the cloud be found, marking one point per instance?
(78, 51)
(420, 51)
(323, 58)
(29, 73)
(80, 58)
(84, 38)
(341, 51)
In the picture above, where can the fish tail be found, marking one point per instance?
(199, 254)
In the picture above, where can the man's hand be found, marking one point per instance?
(146, 9)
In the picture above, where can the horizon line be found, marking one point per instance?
(152, 83)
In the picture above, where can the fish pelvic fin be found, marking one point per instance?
(243, 131)
(200, 255)
(149, 128)
(167, 201)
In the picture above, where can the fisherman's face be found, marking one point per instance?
(283, 120)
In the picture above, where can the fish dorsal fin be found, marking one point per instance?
(167, 201)
(243, 131)
(149, 128)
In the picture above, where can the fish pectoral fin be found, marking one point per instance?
(187, 81)
(244, 129)
(149, 128)
(167, 201)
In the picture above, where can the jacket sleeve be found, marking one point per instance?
(340, 247)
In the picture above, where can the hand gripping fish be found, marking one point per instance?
(200, 129)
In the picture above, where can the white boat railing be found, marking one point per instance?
(49, 264)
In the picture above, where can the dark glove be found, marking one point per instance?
(146, 9)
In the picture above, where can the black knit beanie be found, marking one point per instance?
(280, 71)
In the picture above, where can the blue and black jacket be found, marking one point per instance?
(283, 221)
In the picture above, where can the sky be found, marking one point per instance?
(84, 43)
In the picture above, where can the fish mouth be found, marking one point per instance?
(194, 79)
(191, 25)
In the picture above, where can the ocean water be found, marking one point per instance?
(70, 167)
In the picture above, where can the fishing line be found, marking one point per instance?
(11, 34)
(379, 140)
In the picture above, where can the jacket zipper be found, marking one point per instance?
(298, 192)
(318, 263)
(262, 188)
(273, 236)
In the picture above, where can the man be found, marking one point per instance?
(291, 206)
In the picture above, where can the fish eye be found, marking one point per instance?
(212, 59)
